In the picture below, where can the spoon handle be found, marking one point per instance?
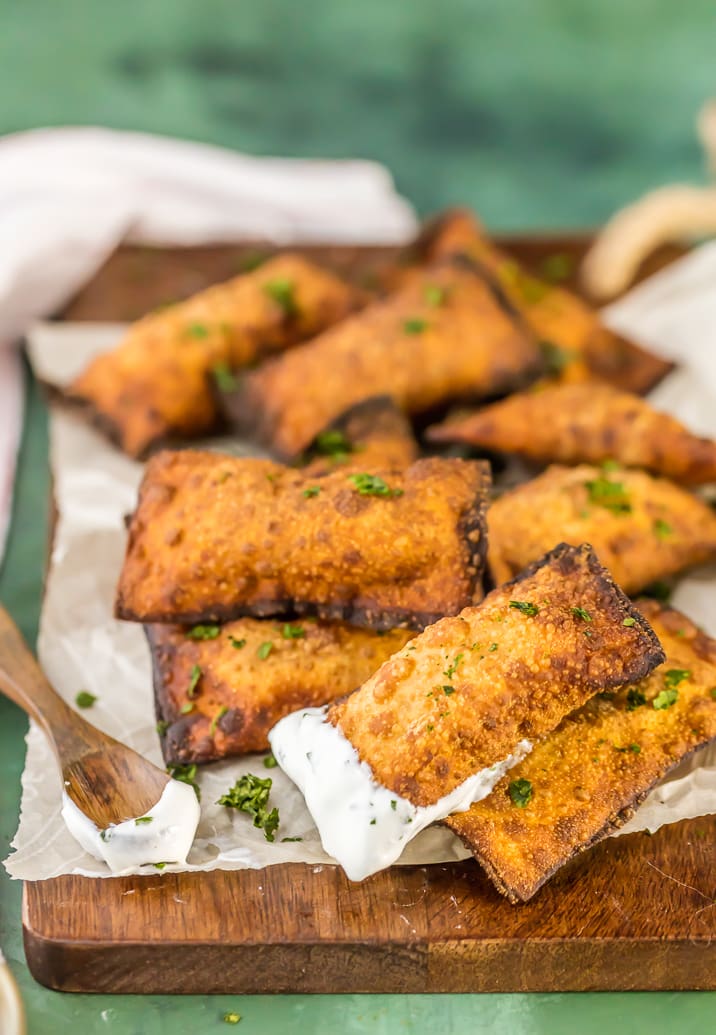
(22, 680)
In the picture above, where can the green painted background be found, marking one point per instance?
(537, 112)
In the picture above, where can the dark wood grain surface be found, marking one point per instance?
(637, 912)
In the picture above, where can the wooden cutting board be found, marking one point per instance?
(635, 912)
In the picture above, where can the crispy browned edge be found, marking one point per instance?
(705, 647)
(474, 520)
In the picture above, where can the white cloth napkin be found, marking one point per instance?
(68, 197)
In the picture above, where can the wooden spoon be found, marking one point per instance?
(106, 780)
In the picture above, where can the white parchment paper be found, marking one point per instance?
(82, 647)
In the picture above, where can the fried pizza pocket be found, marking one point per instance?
(448, 334)
(643, 529)
(586, 423)
(156, 385)
(220, 689)
(440, 722)
(215, 537)
(587, 777)
(578, 346)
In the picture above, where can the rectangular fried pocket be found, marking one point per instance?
(215, 537)
(585, 779)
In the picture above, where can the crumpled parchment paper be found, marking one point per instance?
(82, 647)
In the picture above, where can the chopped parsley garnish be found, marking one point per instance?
(312, 491)
(452, 669)
(293, 632)
(493, 647)
(250, 794)
(281, 291)
(635, 699)
(660, 591)
(579, 612)
(557, 267)
(270, 762)
(520, 792)
(186, 708)
(434, 294)
(85, 699)
(666, 698)
(674, 676)
(159, 866)
(225, 379)
(220, 714)
(415, 326)
(662, 529)
(231, 1017)
(555, 357)
(236, 643)
(197, 330)
(203, 632)
(634, 748)
(284, 839)
(712, 691)
(524, 606)
(162, 727)
(610, 495)
(193, 681)
(143, 819)
(628, 622)
(185, 774)
(393, 804)
(372, 485)
(265, 649)
(447, 690)
(332, 442)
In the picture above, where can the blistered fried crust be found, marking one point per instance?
(591, 773)
(585, 347)
(448, 334)
(376, 434)
(462, 695)
(586, 423)
(642, 528)
(215, 537)
(156, 385)
(251, 674)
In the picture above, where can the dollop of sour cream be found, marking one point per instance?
(163, 835)
(362, 824)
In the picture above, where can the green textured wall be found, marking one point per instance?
(538, 112)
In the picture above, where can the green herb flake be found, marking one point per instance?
(393, 804)
(665, 699)
(635, 699)
(674, 676)
(250, 794)
(185, 774)
(332, 442)
(415, 325)
(610, 495)
(579, 612)
(660, 591)
(435, 295)
(236, 643)
(712, 691)
(520, 792)
(193, 681)
(662, 529)
(224, 377)
(628, 622)
(525, 607)
(203, 632)
(447, 690)
(452, 669)
(555, 357)
(159, 866)
(220, 714)
(197, 330)
(270, 762)
(493, 647)
(265, 649)
(143, 819)
(231, 1017)
(281, 291)
(372, 485)
(312, 491)
(85, 699)
(634, 748)
(293, 632)
(287, 839)
(162, 727)
(186, 708)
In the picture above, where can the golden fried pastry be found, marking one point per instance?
(439, 723)
(220, 689)
(448, 334)
(577, 344)
(586, 779)
(586, 423)
(215, 537)
(156, 385)
(643, 529)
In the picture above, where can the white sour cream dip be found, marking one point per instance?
(163, 835)
(362, 824)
